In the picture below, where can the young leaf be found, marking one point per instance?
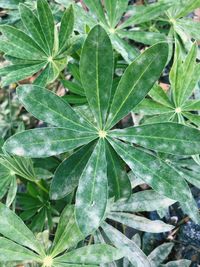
(128, 247)
(50, 108)
(67, 174)
(96, 69)
(33, 26)
(91, 196)
(165, 137)
(66, 28)
(13, 228)
(47, 23)
(142, 73)
(10, 251)
(140, 223)
(46, 142)
(93, 255)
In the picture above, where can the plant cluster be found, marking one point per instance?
(71, 185)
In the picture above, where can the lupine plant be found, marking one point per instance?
(39, 48)
(78, 173)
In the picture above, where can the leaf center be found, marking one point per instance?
(178, 110)
(102, 134)
(48, 261)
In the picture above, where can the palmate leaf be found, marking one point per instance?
(142, 73)
(111, 18)
(41, 46)
(91, 197)
(166, 137)
(175, 106)
(96, 70)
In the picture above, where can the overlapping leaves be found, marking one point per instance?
(19, 244)
(179, 105)
(40, 48)
(73, 130)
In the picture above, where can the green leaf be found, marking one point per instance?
(146, 13)
(194, 118)
(67, 234)
(19, 44)
(142, 73)
(165, 137)
(91, 196)
(140, 223)
(191, 105)
(46, 142)
(49, 107)
(66, 28)
(189, 28)
(151, 107)
(128, 52)
(73, 87)
(12, 227)
(187, 7)
(47, 23)
(96, 69)
(159, 254)
(118, 181)
(5, 180)
(21, 72)
(12, 191)
(148, 38)
(67, 174)
(96, 8)
(147, 200)
(10, 251)
(93, 254)
(159, 95)
(43, 78)
(75, 99)
(162, 177)
(115, 10)
(178, 263)
(188, 77)
(128, 247)
(33, 26)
